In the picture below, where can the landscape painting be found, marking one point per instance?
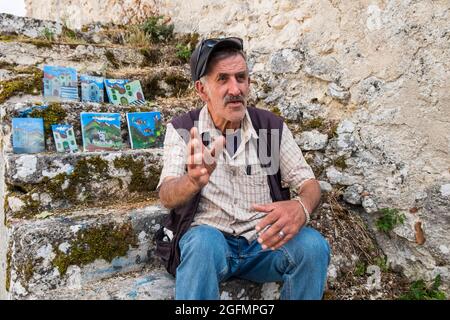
(28, 135)
(101, 131)
(145, 129)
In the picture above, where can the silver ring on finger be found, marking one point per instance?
(281, 234)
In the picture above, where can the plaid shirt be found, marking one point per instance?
(226, 200)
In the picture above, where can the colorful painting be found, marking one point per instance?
(101, 131)
(91, 88)
(145, 129)
(64, 138)
(28, 135)
(124, 92)
(60, 84)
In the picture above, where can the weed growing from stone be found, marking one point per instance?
(158, 31)
(389, 219)
(419, 290)
(183, 52)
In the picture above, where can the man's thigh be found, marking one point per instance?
(270, 266)
(204, 245)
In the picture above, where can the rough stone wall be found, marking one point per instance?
(3, 229)
(380, 69)
(76, 13)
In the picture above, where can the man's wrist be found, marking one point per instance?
(195, 188)
(305, 210)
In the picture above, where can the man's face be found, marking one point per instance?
(226, 89)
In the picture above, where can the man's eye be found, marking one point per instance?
(222, 78)
(241, 77)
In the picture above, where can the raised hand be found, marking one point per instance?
(201, 161)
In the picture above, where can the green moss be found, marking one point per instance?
(316, 123)
(41, 43)
(84, 172)
(151, 56)
(276, 110)
(7, 38)
(8, 269)
(140, 181)
(29, 210)
(27, 270)
(332, 131)
(53, 114)
(340, 162)
(103, 242)
(317, 169)
(7, 66)
(31, 84)
(69, 33)
(111, 58)
(178, 82)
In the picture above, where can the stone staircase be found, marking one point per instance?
(81, 226)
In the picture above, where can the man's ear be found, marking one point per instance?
(201, 91)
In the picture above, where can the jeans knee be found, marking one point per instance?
(311, 246)
(203, 242)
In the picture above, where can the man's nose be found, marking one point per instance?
(233, 87)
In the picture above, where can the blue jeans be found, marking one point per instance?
(209, 257)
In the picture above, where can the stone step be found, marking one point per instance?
(21, 67)
(80, 248)
(86, 58)
(153, 284)
(48, 182)
(69, 112)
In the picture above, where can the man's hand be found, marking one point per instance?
(201, 161)
(286, 216)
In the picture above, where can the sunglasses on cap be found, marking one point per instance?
(208, 45)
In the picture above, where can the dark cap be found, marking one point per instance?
(200, 56)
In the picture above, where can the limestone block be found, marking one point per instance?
(286, 60)
(88, 246)
(312, 140)
(33, 28)
(63, 181)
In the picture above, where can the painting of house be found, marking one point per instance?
(101, 131)
(64, 138)
(60, 84)
(124, 92)
(92, 88)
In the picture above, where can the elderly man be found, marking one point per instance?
(226, 178)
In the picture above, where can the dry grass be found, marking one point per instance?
(136, 37)
(351, 239)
